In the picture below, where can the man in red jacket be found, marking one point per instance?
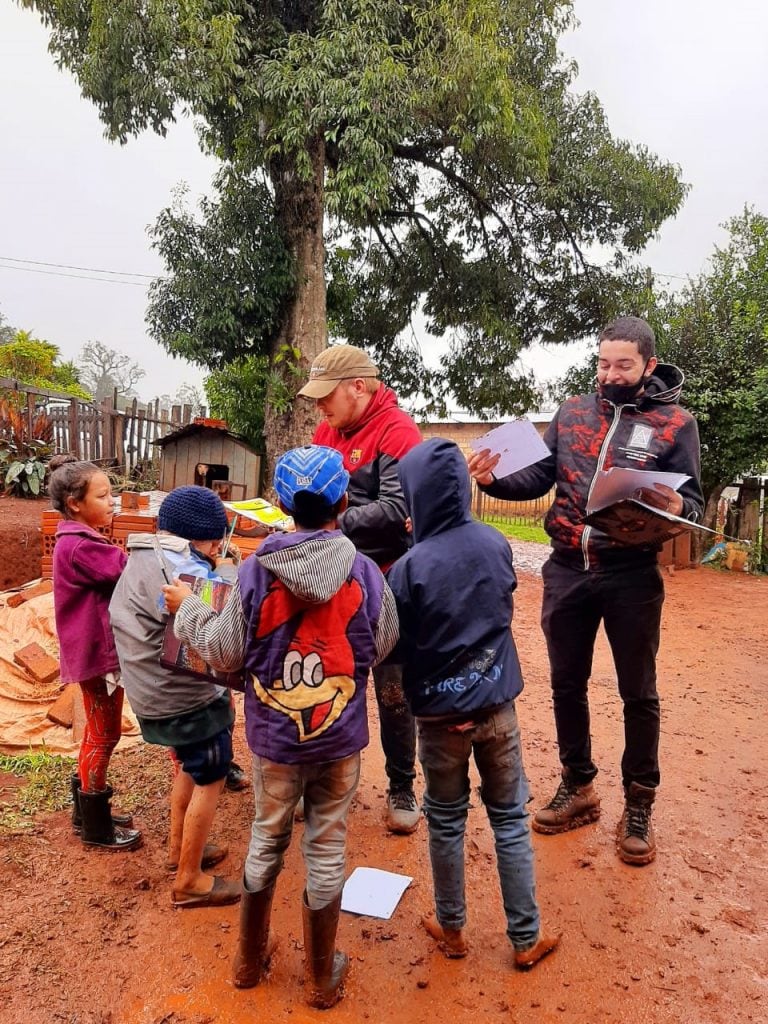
(361, 419)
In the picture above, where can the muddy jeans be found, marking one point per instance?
(397, 728)
(328, 789)
(628, 602)
(444, 755)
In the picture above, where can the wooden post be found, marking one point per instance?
(118, 421)
(107, 430)
(74, 434)
(131, 449)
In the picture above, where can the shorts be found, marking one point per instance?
(207, 761)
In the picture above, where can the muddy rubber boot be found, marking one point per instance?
(325, 967)
(255, 944)
(571, 807)
(97, 827)
(636, 843)
(122, 820)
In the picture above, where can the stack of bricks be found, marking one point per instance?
(140, 519)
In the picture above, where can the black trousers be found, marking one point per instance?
(397, 726)
(628, 602)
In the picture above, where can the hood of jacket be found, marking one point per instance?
(313, 566)
(168, 542)
(665, 385)
(383, 400)
(435, 482)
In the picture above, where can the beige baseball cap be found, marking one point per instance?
(339, 362)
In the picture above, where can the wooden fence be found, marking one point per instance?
(98, 431)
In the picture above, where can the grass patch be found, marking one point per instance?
(519, 531)
(46, 788)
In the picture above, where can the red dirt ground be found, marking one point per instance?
(20, 539)
(89, 937)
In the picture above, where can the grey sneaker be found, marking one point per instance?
(570, 807)
(402, 814)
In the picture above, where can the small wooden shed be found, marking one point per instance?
(205, 452)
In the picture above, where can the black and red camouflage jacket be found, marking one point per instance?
(375, 519)
(588, 434)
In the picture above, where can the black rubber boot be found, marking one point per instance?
(255, 944)
(97, 827)
(326, 967)
(122, 820)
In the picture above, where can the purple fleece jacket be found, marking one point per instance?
(86, 568)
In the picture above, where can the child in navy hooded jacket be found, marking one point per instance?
(461, 675)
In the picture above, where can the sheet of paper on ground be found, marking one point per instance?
(373, 892)
(518, 443)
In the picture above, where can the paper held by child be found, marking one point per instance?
(373, 892)
(259, 510)
(518, 443)
(178, 655)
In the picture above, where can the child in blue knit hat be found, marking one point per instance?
(177, 710)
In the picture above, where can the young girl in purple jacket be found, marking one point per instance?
(86, 567)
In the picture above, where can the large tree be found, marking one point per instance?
(104, 371)
(437, 142)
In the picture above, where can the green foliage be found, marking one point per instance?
(460, 178)
(717, 331)
(46, 788)
(237, 394)
(229, 275)
(519, 531)
(24, 448)
(35, 362)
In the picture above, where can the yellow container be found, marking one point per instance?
(736, 557)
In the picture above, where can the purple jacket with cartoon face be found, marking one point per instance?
(86, 568)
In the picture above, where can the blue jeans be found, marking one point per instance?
(444, 755)
(328, 789)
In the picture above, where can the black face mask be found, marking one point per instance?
(623, 394)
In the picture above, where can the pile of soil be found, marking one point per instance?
(21, 539)
(89, 937)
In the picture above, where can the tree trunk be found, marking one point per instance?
(289, 420)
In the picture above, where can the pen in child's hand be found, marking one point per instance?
(228, 537)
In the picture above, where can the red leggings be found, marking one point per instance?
(103, 724)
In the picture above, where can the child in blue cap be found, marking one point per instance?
(308, 619)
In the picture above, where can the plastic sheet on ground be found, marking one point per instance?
(24, 702)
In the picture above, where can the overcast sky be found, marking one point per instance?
(687, 78)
